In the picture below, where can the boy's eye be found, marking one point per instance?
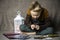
(36, 10)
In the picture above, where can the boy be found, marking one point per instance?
(37, 20)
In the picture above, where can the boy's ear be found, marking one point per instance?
(28, 12)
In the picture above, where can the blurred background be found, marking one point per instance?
(8, 10)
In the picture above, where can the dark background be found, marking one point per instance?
(8, 10)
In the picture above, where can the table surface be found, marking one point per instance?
(21, 36)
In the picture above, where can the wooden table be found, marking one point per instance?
(18, 36)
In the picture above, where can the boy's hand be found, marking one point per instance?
(33, 26)
(37, 27)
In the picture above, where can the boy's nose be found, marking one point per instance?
(35, 16)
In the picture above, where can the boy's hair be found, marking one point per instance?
(32, 6)
(44, 12)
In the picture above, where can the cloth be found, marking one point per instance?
(43, 21)
(48, 30)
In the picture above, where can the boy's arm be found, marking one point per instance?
(47, 20)
(46, 24)
(27, 21)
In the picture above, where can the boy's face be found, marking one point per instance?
(35, 13)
